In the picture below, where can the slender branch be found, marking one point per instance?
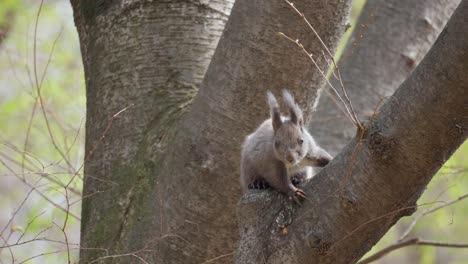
(410, 242)
(49, 176)
(133, 254)
(352, 112)
(429, 211)
(45, 254)
(28, 225)
(35, 188)
(5, 241)
(33, 112)
(38, 91)
(28, 132)
(389, 214)
(298, 43)
(38, 239)
(218, 257)
(103, 135)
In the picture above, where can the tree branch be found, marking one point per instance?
(410, 242)
(202, 164)
(400, 153)
(390, 39)
(416, 219)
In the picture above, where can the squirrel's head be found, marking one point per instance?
(290, 143)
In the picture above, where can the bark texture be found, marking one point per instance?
(200, 175)
(152, 55)
(396, 37)
(163, 183)
(415, 132)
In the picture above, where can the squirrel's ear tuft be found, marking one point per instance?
(274, 111)
(294, 111)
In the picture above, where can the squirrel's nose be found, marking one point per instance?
(290, 158)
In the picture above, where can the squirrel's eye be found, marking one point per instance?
(300, 141)
(277, 144)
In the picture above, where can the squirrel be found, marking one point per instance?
(281, 152)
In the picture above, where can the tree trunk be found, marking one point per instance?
(200, 179)
(161, 184)
(375, 180)
(396, 37)
(152, 55)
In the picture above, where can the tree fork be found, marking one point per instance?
(405, 144)
(390, 39)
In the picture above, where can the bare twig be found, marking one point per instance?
(410, 242)
(17, 209)
(218, 257)
(299, 44)
(429, 211)
(45, 254)
(357, 148)
(35, 188)
(28, 132)
(28, 225)
(335, 68)
(5, 241)
(49, 176)
(38, 91)
(33, 112)
(103, 135)
(363, 28)
(378, 218)
(132, 254)
(37, 239)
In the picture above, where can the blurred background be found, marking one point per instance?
(42, 148)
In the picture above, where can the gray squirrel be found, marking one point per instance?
(280, 152)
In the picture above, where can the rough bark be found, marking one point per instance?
(152, 55)
(397, 35)
(161, 182)
(414, 133)
(249, 59)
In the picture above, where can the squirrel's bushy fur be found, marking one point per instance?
(279, 150)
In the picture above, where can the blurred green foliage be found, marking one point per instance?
(445, 225)
(7, 10)
(27, 154)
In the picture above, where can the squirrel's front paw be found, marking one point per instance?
(297, 195)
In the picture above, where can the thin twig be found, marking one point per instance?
(28, 225)
(410, 242)
(132, 254)
(299, 44)
(40, 193)
(357, 148)
(378, 218)
(28, 132)
(45, 254)
(352, 112)
(429, 211)
(101, 138)
(38, 239)
(9, 249)
(218, 257)
(38, 91)
(33, 112)
(17, 209)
